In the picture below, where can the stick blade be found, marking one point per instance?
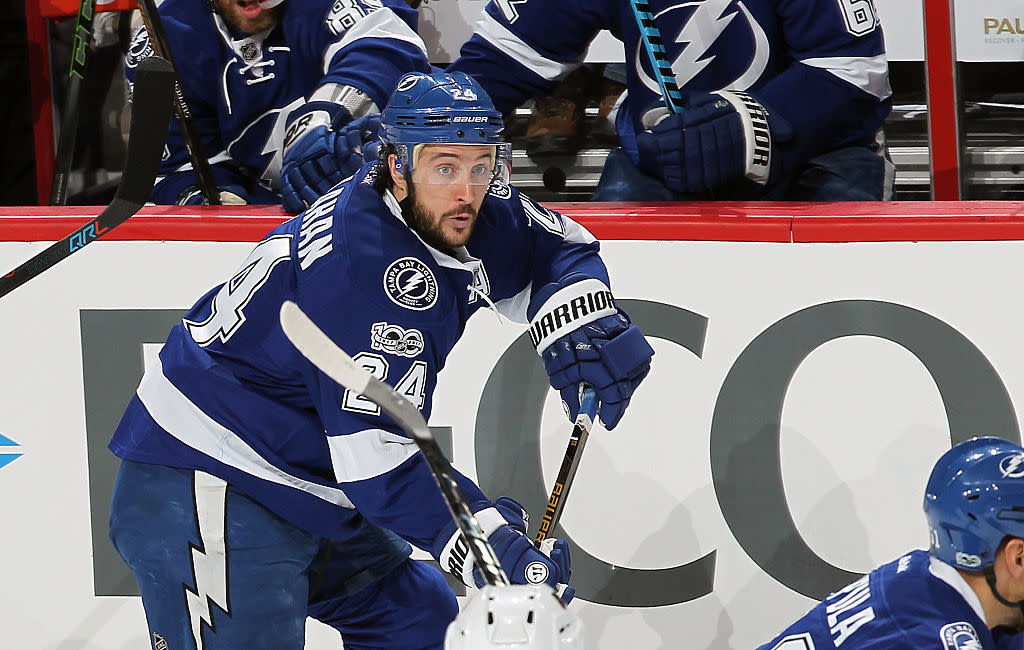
(325, 354)
(321, 350)
(152, 104)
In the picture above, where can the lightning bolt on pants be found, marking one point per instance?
(217, 571)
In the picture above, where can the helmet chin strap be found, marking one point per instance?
(990, 578)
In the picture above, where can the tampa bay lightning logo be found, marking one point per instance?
(959, 636)
(410, 283)
(140, 48)
(409, 81)
(1012, 466)
(693, 50)
(499, 190)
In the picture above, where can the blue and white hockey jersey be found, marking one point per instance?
(241, 88)
(230, 395)
(820, 64)
(914, 603)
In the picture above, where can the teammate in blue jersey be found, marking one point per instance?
(965, 593)
(785, 99)
(272, 84)
(255, 491)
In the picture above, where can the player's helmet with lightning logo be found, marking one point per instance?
(974, 499)
(444, 108)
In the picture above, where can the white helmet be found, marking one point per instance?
(520, 617)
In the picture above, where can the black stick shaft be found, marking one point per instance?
(189, 133)
(152, 114)
(570, 463)
(69, 120)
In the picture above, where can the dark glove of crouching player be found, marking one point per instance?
(583, 337)
(505, 524)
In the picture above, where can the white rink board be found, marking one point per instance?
(862, 423)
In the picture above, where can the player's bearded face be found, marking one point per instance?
(444, 213)
(247, 16)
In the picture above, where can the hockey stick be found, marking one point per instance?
(200, 163)
(336, 364)
(655, 47)
(570, 462)
(69, 121)
(153, 84)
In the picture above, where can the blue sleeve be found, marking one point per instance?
(836, 91)
(360, 45)
(175, 172)
(561, 246)
(522, 49)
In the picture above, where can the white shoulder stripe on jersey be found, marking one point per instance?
(178, 416)
(368, 453)
(869, 73)
(576, 233)
(952, 577)
(495, 33)
(514, 308)
(382, 23)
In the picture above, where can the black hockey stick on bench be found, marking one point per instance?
(339, 366)
(69, 120)
(570, 463)
(154, 83)
(189, 133)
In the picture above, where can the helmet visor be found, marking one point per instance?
(492, 166)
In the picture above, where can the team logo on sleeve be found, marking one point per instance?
(395, 339)
(140, 48)
(499, 190)
(411, 284)
(959, 636)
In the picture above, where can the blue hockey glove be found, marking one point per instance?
(323, 145)
(505, 524)
(583, 337)
(721, 138)
(229, 195)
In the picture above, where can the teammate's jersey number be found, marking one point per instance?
(226, 311)
(412, 386)
(860, 16)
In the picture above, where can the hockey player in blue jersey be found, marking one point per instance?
(785, 99)
(965, 593)
(255, 491)
(272, 86)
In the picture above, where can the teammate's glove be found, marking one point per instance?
(229, 195)
(719, 139)
(318, 152)
(524, 563)
(582, 336)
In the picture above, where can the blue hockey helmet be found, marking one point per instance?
(443, 108)
(974, 499)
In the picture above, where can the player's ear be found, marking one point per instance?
(1014, 552)
(397, 173)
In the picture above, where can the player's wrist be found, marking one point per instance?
(757, 134)
(451, 549)
(566, 306)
